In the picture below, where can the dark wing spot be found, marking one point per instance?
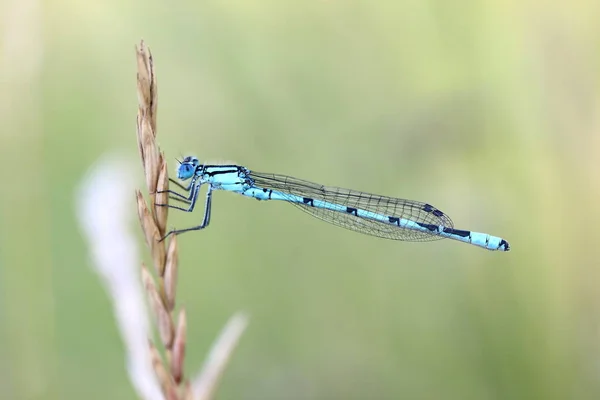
(438, 213)
(433, 210)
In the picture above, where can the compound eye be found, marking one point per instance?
(186, 171)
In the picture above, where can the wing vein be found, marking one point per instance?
(415, 211)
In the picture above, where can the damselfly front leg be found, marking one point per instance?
(185, 188)
(181, 198)
(191, 200)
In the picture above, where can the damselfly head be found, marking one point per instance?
(187, 168)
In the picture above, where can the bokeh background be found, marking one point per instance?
(488, 110)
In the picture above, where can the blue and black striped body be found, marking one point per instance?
(381, 216)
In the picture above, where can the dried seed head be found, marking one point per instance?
(146, 119)
(171, 271)
(147, 86)
(139, 140)
(166, 381)
(161, 315)
(171, 393)
(145, 74)
(157, 364)
(178, 354)
(162, 198)
(187, 393)
(146, 220)
(150, 287)
(149, 150)
(152, 234)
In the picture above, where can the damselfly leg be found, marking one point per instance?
(180, 197)
(205, 219)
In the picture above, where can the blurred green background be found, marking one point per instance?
(488, 110)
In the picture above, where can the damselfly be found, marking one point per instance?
(381, 216)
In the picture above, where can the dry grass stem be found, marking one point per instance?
(205, 384)
(161, 293)
(104, 210)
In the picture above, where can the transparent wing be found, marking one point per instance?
(386, 206)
